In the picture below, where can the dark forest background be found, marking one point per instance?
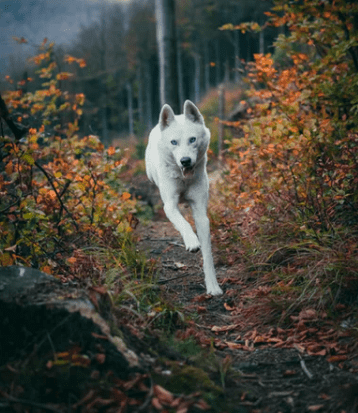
(121, 78)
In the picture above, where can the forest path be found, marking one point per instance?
(264, 376)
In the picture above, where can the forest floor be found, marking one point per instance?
(236, 353)
(308, 365)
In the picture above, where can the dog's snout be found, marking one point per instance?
(185, 161)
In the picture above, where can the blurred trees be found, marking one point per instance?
(121, 80)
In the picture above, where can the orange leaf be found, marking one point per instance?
(111, 150)
(228, 308)
(126, 195)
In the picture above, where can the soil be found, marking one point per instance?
(263, 368)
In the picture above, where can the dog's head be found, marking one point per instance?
(184, 137)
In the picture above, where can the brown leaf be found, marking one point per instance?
(218, 329)
(315, 408)
(101, 336)
(288, 373)
(100, 358)
(233, 346)
(202, 405)
(201, 298)
(308, 314)
(335, 359)
(156, 404)
(163, 395)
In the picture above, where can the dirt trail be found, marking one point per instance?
(268, 379)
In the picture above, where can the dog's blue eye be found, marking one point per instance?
(174, 142)
(192, 140)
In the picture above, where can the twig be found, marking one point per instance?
(12, 399)
(176, 243)
(304, 368)
(57, 194)
(148, 398)
(173, 279)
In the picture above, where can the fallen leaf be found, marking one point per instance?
(218, 329)
(202, 405)
(288, 373)
(308, 314)
(163, 395)
(315, 408)
(233, 346)
(101, 336)
(335, 359)
(156, 404)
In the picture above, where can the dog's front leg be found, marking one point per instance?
(203, 229)
(173, 214)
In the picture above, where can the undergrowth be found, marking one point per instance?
(290, 189)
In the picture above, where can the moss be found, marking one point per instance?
(188, 379)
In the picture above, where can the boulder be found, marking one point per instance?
(42, 315)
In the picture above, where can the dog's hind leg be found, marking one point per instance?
(203, 229)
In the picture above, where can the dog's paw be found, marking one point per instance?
(214, 290)
(192, 243)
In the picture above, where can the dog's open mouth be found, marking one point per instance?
(187, 171)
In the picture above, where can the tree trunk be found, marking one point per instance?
(140, 95)
(130, 108)
(103, 86)
(180, 71)
(197, 79)
(237, 55)
(148, 97)
(227, 73)
(166, 38)
(221, 118)
(103, 110)
(217, 63)
(207, 66)
(262, 42)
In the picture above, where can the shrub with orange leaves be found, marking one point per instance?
(58, 192)
(297, 153)
(292, 164)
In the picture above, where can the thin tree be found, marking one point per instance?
(167, 46)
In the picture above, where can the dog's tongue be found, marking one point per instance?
(188, 172)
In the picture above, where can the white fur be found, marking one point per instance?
(170, 145)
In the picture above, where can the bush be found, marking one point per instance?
(59, 192)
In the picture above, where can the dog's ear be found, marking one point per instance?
(166, 117)
(192, 113)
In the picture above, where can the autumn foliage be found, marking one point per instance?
(59, 191)
(293, 160)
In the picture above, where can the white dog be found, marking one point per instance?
(176, 162)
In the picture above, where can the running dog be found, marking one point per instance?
(176, 158)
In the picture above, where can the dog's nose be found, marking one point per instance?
(185, 161)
